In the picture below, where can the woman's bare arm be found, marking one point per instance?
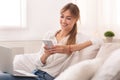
(80, 46)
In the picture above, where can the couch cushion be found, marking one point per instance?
(110, 70)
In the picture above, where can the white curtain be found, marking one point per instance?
(97, 16)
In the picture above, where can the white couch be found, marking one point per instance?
(105, 66)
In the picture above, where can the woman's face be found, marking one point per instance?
(67, 21)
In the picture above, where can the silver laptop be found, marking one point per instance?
(6, 63)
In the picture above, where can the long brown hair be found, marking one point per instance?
(74, 10)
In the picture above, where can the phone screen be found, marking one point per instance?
(48, 43)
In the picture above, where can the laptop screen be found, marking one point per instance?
(6, 60)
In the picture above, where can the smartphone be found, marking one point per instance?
(48, 43)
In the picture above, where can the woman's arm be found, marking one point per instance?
(47, 53)
(68, 49)
(43, 58)
(80, 46)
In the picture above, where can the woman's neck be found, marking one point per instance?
(63, 33)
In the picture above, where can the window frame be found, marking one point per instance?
(23, 17)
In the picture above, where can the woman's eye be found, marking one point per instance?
(69, 18)
(61, 16)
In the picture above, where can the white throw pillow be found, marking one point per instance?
(85, 54)
(90, 52)
(110, 69)
(81, 71)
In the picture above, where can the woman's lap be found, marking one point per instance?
(41, 76)
(5, 76)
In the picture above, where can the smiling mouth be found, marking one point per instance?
(64, 25)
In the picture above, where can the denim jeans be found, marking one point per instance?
(41, 76)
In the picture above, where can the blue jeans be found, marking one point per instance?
(41, 76)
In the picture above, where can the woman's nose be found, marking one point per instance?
(64, 20)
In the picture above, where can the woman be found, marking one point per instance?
(53, 61)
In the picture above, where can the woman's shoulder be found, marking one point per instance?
(82, 36)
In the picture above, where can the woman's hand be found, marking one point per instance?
(47, 53)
